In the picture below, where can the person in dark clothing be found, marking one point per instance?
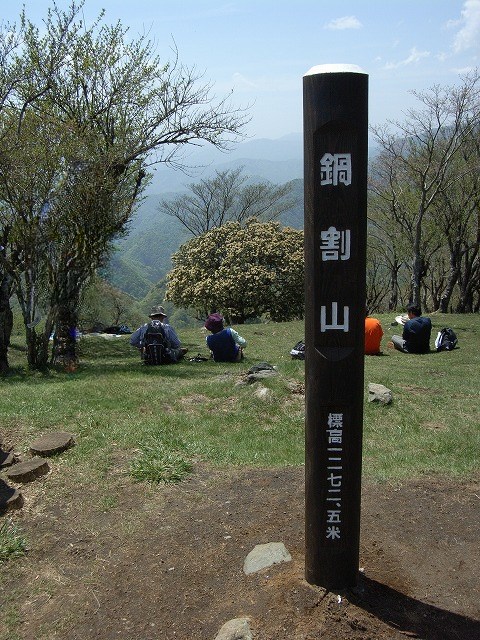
(224, 343)
(416, 332)
(173, 342)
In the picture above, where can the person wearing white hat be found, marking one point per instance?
(158, 313)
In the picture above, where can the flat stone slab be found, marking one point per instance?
(7, 458)
(52, 443)
(29, 470)
(264, 555)
(10, 498)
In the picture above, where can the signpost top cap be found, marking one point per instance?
(334, 68)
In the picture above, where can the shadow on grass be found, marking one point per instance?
(100, 369)
(410, 616)
(181, 370)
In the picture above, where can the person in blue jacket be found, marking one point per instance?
(416, 332)
(224, 342)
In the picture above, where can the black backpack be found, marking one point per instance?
(298, 351)
(155, 344)
(446, 340)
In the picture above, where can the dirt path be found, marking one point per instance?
(167, 563)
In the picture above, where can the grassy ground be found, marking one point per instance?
(166, 418)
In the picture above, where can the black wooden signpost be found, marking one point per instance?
(336, 153)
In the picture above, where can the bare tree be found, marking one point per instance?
(229, 196)
(418, 159)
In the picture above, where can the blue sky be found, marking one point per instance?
(262, 48)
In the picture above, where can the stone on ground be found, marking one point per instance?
(262, 393)
(7, 458)
(10, 498)
(379, 393)
(29, 470)
(261, 375)
(264, 555)
(52, 443)
(237, 629)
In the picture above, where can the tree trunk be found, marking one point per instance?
(393, 300)
(468, 281)
(65, 343)
(6, 321)
(66, 304)
(452, 281)
(417, 273)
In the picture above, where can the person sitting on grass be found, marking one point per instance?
(224, 343)
(137, 339)
(416, 333)
(373, 336)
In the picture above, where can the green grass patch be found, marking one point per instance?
(157, 463)
(164, 418)
(12, 543)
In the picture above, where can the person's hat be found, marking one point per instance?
(157, 311)
(214, 322)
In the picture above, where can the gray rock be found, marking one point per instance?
(261, 366)
(261, 375)
(262, 393)
(236, 629)
(264, 555)
(7, 458)
(379, 393)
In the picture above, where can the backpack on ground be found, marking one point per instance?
(298, 351)
(155, 344)
(446, 340)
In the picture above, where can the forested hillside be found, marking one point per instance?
(143, 257)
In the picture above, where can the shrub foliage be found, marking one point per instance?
(243, 271)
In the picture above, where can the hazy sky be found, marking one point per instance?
(262, 48)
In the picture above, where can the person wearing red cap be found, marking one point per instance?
(225, 344)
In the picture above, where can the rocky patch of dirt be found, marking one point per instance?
(167, 562)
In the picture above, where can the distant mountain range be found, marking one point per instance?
(278, 161)
(143, 257)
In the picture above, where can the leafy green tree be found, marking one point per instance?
(99, 108)
(230, 196)
(103, 305)
(27, 63)
(244, 271)
(25, 185)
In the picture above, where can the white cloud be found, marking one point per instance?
(414, 57)
(241, 82)
(463, 71)
(469, 34)
(347, 22)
